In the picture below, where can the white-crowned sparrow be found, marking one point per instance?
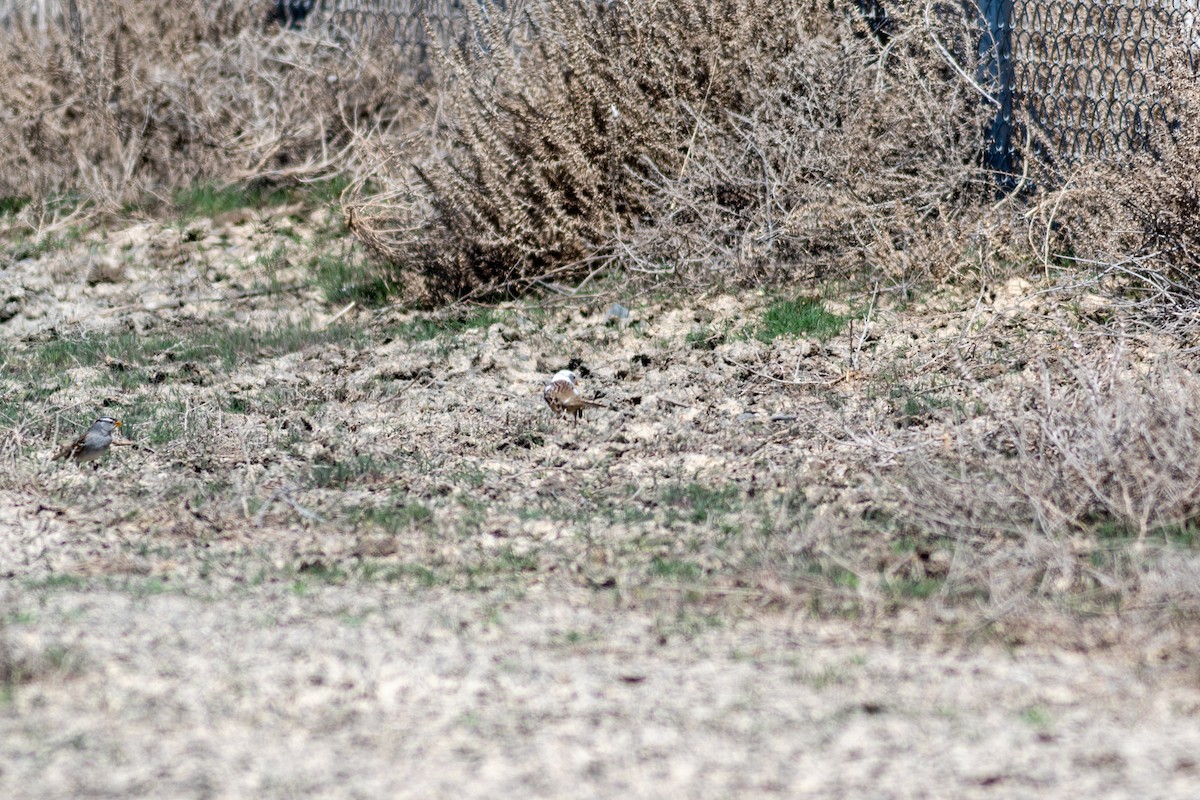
(563, 397)
(92, 444)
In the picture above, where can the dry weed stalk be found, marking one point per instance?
(732, 142)
(1079, 491)
(119, 101)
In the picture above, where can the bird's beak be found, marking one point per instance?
(117, 423)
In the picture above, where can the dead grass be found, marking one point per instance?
(790, 455)
(1083, 494)
(331, 515)
(116, 106)
(24, 662)
(393, 484)
(1129, 220)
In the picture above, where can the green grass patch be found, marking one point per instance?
(131, 358)
(706, 337)
(361, 468)
(590, 505)
(804, 316)
(35, 246)
(235, 345)
(209, 200)
(686, 624)
(400, 573)
(1036, 717)
(146, 587)
(675, 569)
(327, 191)
(701, 503)
(18, 395)
(423, 575)
(422, 329)
(913, 588)
(915, 406)
(342, 281)
(163, 430)
(574, 638)
(151, 419)
(505, 562)
(1181, 534)
(322, 572)
(820, 677)
(270, 263)
(509, 560)
(393, 518)
(19, 669)
(833, 573)
(57, 581)
(12, 205)
(311, 574)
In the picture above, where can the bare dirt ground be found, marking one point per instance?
(355, 557)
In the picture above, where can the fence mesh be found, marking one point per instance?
(1081, 70)
(415, 26)
(1072, 74)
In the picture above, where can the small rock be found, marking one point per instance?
(135, 236)
(104, 269)
(816, 494)
(746, 351)
(807, 348)
(1094, 305)
(12, 300)
(728, 407)
(1013, 293)
(617, 314)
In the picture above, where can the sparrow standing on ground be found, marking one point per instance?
(563, 397)
(92, 444)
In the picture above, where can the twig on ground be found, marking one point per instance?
(786, 382)
(283, 493)
(862, 337)
(329, 322)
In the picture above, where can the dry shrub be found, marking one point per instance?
(740, 141)
(1085, 491)
(1133, 217)
(122, 100)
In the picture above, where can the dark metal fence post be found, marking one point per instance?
(290, 14)
(997, 74)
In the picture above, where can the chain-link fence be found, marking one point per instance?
(1071, 76)
(411, 22)
(415, 26)
(1074, 77)
(35, 14)
(407, 22)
